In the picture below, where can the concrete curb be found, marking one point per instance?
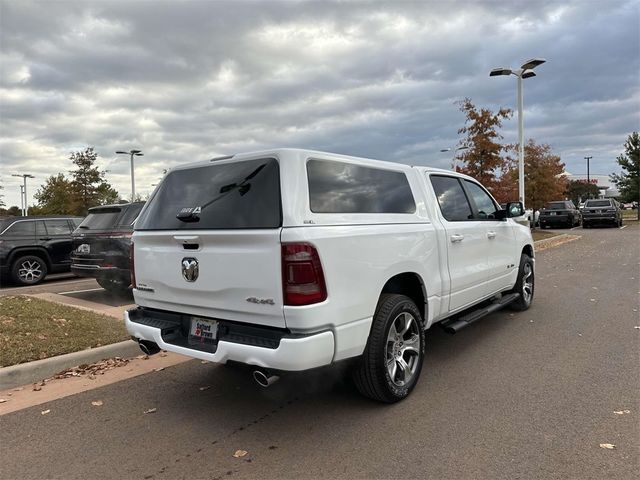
(555, 241)
(30, 372)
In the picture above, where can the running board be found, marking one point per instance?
(456, 324)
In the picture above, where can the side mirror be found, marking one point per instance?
(514, 209)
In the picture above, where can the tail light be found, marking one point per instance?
(302, 276)
(132, 265)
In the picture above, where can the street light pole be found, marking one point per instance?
(22, 199)
(525, 71)
(587, 159)
(132, 153)
(453, 160)
(25, 208)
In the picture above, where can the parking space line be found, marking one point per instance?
(80, 291)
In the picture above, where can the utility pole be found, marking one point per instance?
(22, 199)
(25, 207)
(588, 178)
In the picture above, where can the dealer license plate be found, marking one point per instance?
(204, 330)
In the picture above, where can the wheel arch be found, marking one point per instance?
(411, 285)
(24, 251)
(528, 250)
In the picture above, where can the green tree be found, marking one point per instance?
(55, 197)
(578, 190)
(482, 155)
(88, 185)
(628, 181)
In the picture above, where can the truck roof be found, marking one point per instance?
(304, 153)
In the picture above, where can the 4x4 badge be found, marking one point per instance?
(190, 269)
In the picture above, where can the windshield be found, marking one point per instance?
(598, 203)
(234, 195)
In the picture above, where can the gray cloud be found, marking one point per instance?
(189, 80)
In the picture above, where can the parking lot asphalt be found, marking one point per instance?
(52, 284)
(515, 395)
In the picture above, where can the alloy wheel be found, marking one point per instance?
(402, 349)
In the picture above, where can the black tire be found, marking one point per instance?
(525, 272)
(585, 224)
(112, 285)
(371, 375)
(28, 270)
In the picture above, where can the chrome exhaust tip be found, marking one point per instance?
(264, 379)
(148, 348)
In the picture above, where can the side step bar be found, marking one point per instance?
(456, 324)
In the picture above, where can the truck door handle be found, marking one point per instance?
(456, 237)
(491, 234)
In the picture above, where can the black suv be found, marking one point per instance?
(31, 247)
(563, 213)
(606, 210)
(102, 245)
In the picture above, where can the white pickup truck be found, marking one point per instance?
(289, 260)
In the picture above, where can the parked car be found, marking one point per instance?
(559, 214)
(102, 245)
(289, 260)
(602, 211)
(32, 247)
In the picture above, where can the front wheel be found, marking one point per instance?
(525, 284)
(392, 360)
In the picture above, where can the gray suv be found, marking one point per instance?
(602, 211)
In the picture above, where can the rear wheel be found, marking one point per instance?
(525, 285)
(390, 366)
(29, 270)
(114, 285)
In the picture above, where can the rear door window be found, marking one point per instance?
(451, 197)
(340, 187)
(598, 203)
(232, 195)
(57, 227)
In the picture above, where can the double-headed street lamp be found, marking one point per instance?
(132, 153)
(453, 160)
(525, 71)
(23, 192)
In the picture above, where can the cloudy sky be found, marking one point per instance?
(189, 80)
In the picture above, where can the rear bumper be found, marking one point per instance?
(291, 352)
(599, 218)
(98, 271)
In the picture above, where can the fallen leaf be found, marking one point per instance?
(240, 453)
(637, 327)
(592, 299)
(203, 361)
(37, 388)
(608, 446)
(44, 412)
(151, 410)
(159, 369)
(163, 354)
(204, 388)
(97, 403)
(621, 412)
(3, 400)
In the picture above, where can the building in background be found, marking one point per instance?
(605, 185)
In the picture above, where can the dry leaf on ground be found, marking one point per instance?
(151, 410)
(608, 446)
(621, 412)
(159, 369)
(205, 388)
(240, 453)
(97, 403)
(3, 400)
(44, 412)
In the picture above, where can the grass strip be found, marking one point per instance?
(33, 329)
